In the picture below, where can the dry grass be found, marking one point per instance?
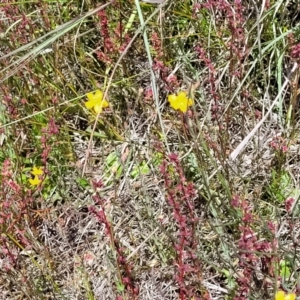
(235, 62)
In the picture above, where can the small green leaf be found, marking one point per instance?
(120, 286)
(83, 182)
(113, 165)
(285, 269)
(226, 273)
(143, 169)
(111, 159)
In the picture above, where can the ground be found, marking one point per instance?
(149, 150)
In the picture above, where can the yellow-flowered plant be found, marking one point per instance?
(96, 101)
(37, 172)
(281, 295)
(180, 101)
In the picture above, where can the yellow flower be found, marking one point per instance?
(37, 172)
(96, 101)
(280, 295)
(35, 181)
(180, 101)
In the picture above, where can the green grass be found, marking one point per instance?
(106, 221)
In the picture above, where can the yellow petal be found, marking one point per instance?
(279, 295)
(97, 96)
(173, 101)
(90, 96)
(290, 297)
(37, 171)
(182, 96)
(35, 181)
(183, 103)
(172, 98)
(190, 102)
(104, 103)
(90, 104)
(98, 108)
(183, 107)
(175, 105)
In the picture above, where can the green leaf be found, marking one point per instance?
(120, 286)
(83, 182)
(111, 159)
(285, 269)
(113, 165)
(143, 169)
